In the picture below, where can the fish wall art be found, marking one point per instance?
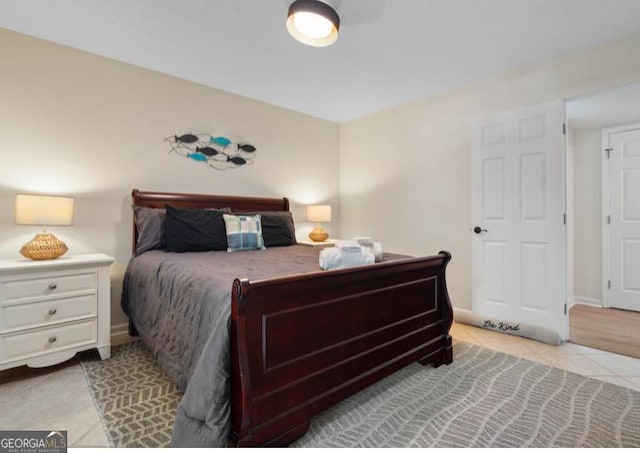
(220, 153)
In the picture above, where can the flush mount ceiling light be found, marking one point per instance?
(313, 22)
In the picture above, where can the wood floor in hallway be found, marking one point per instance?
(608, 329)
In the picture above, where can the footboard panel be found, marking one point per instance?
(301, 344)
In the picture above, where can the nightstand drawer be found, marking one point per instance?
(32, 343)
(47, 312)
(45, 284)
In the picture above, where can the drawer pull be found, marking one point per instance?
(53, 311)
(52, 286)
(52, 339)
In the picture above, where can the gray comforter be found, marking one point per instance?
(180, 305)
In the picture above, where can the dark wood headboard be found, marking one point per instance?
(201, 201)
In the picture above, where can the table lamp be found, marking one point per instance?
(318, 213)
(44, 211)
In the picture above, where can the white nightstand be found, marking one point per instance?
(310, 243)
(50, 310)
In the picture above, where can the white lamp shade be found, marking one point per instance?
(319, 213)
(44, 210)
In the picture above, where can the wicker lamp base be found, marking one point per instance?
(318, 234)
(44, 246)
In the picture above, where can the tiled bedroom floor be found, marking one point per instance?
(58, 397)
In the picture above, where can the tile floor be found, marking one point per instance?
(58, 397)
(606, 366)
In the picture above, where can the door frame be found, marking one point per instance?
(606, 210)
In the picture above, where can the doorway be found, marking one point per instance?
(593, 320)
(621, 200)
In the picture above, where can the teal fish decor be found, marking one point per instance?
(223, 155)
(222, 141)
(199, 157)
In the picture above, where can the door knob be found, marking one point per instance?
(478, 230)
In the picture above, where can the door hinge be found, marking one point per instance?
(609, 284)
(564, 218)
(564, 128)
(608, 151)
(608, 220)
(565, 308)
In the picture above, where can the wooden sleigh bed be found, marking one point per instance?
(300, 344)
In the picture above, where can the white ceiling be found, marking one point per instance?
(389, 52)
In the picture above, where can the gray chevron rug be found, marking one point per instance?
(136, 401)
(484, 399)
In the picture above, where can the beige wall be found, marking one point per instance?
(405, 173)
(73, 123)
(77, 124)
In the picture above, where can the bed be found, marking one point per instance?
(281, 346)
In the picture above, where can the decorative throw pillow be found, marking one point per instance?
(244, 232)
(277, 228)
(150, 228)
(194, 230)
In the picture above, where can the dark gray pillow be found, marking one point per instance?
(194, 230)
(277, 228)
(150, 228)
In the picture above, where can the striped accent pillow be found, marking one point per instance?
(244, 232)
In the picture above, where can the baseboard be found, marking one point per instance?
(586, 301)
(120, 329)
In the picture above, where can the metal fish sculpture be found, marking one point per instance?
(207, 150)
(186, 138)
(220, 152)
(222, 141)
(246, 148)
(198, 157)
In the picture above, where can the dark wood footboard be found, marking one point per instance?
(301, 344)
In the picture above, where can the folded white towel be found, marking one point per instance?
(348, 245)
(350, 259)
(330, 258)
(336, 258)
(364, 240)
(367, 244)
(376, 249)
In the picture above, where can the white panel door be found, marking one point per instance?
(518, 205)
(624, 231)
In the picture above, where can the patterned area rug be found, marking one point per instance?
(136, 401)
(484, 399)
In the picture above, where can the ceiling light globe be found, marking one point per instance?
(312, 25)
(313, 22)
